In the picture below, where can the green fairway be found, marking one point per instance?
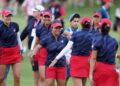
(26, 70)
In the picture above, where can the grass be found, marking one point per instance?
(26, 70)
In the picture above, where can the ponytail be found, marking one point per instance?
(105, 29)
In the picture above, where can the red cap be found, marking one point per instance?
(97, 14)
(105, 1)
(56, 24)
(47, 13)
(6, 13)
(85, 19)
(105, 21)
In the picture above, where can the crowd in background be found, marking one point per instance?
(13, 4)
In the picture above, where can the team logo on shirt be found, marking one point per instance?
(14, 30)
(92, 46)
(62, 41)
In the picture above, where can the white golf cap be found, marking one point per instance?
(38, 8)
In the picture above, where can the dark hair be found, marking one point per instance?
(75, 16)
(103, 3)
(105, 29)
(86, 24)
(56, 21)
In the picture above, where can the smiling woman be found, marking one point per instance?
(80, 43)
(10, 47)
(56, 28)
(54, 42)
(58, 72)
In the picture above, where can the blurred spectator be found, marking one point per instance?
(91, 3)
(20, 2)
(75, 3)
(9, 4)
(69, 3)
(4, 4)
(57, 10)
(45, 3)
(13, 6)
(81, 3)
(27, 7)
(117, 21)
(105, 8)
(1, 5)
(64, 3)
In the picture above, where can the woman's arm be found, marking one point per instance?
(19, 41)
(68, 34)
(92, 65)
(35, 46)
(33, 52)
(62, 53)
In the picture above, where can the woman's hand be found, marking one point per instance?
(91, 79)
(118, 55)
(22, 56)
(53, 63)
(31, 55)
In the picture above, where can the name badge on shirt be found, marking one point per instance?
(33, 32)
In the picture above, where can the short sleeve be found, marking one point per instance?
(116, 43)
(1, 23)
(116, 47)
(43, 42)
(16, 26)
(38, 31)
(95, 44)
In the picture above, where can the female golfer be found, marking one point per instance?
(102, 63)
(10, 45)
(80, 43)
